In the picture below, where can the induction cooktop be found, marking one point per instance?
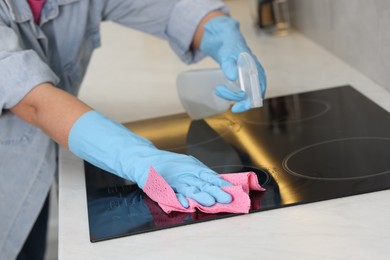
(305, 147)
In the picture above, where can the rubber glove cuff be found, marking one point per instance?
(110, 146)
(223, 42)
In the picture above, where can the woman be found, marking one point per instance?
(45, 49)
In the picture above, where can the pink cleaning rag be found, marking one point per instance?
(158, 190)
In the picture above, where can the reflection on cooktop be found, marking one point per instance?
(305, 147)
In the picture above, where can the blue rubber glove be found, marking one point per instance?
(113, 148)
(223, 42)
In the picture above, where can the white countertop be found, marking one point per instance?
(355, 227)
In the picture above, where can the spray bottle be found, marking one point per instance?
(196, 88)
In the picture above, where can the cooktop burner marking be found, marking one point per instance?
(322, 163)
(287, 111)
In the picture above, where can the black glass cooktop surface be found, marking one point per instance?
(304, 148)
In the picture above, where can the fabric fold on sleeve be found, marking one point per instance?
(183, 22)
(20, 70)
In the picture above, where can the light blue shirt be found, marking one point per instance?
(58, 50)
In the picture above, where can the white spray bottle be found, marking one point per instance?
(196, 88)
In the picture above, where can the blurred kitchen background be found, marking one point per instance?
(354, 30)
(130, 63)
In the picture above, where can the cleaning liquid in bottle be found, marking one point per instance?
(196, 88)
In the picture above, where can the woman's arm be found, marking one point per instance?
(52, 110)
(112, 147)
(55, 111)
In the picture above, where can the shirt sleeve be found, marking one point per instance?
(20, 70)
(172, 20)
